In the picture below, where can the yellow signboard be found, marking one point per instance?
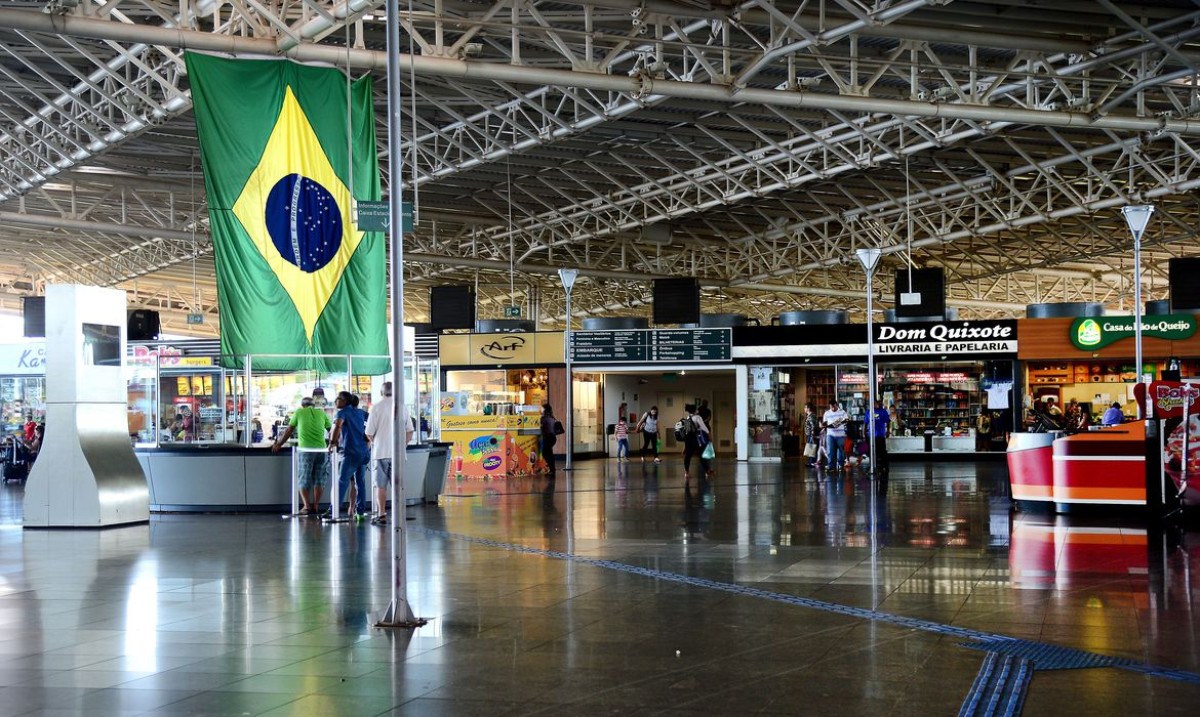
(537, 349)
(488, 423)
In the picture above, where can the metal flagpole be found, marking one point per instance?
(869, 259)
(398, 613)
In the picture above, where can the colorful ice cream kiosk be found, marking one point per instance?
(491, 402)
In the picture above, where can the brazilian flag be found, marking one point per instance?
(294, 273)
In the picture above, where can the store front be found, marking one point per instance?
(22, 384)
(1090, 360)
(948, 386)
(493, 389)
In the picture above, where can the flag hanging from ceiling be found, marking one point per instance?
(294, 273)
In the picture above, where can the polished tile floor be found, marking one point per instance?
(620, 590)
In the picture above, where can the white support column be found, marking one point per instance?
(86, 475)
(741, 431)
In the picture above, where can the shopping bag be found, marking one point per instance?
(709, 452)
(810, 450)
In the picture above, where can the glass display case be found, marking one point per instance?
(772, 401)
(588, 419)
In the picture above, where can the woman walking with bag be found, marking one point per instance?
(812, 435)
(696, 442)
(648, 425)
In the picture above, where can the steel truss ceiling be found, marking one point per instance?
(754, 145)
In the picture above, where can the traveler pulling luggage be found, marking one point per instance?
(16, 461)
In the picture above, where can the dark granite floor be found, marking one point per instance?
(618, 591)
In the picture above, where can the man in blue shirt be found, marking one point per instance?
(349, 434)
(1113, 416)
(877, 434)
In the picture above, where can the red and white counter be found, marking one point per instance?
(1102, 467)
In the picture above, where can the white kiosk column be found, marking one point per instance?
(86, 475)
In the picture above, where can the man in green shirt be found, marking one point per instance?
(310, 425)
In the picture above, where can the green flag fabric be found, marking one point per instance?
(294, 274)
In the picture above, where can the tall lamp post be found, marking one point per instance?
(568, 277)
(869, 258)
(1137, 217)
(398, 612)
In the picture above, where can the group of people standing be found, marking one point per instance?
(826, 436)
(363, 440)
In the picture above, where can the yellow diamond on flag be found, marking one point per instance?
(297, 212)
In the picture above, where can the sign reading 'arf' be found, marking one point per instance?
(1168, 398)
(947, 337)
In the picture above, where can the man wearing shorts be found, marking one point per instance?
(309, 424)
(379, 435)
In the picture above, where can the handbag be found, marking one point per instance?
(709, 452)
(810, 450)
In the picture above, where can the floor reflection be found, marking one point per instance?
(250, 614)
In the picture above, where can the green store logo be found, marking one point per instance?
(1088, 333)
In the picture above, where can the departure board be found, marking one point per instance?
(652, 345)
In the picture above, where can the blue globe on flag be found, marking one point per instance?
(304, 222)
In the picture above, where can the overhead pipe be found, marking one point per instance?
(641, 86)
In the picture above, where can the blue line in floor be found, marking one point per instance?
(991, 641)
(999, 688)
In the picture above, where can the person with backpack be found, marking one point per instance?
(648, 426)
(551, 429)
(692, 431)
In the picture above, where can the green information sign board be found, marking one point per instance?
(512, 312)
(1090, 333)
(374, 216)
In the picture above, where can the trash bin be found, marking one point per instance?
(435, 470)
(929, 441)
(416, 462)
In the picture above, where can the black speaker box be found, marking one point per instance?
(930, 284)
(677, 301)
(142, 325)
(33, 310)
(452, 307)
(1183, 273)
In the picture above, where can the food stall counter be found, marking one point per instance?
(488, 447)
(1105, 467)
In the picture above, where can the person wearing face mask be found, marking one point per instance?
(648, 427)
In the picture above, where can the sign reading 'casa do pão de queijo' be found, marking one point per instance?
(1090, 333)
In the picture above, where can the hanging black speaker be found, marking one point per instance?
(33, 311)
(452, 307)
(921, 292)
(677, 301)
(142, 325)
(1182, 274)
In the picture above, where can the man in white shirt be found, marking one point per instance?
(835, 420)
(379, 434)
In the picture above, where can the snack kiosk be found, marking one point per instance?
(491, 403)
(1074, 358)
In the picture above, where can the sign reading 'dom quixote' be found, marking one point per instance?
(947, 337)
(1095, 333)
(646, 345)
